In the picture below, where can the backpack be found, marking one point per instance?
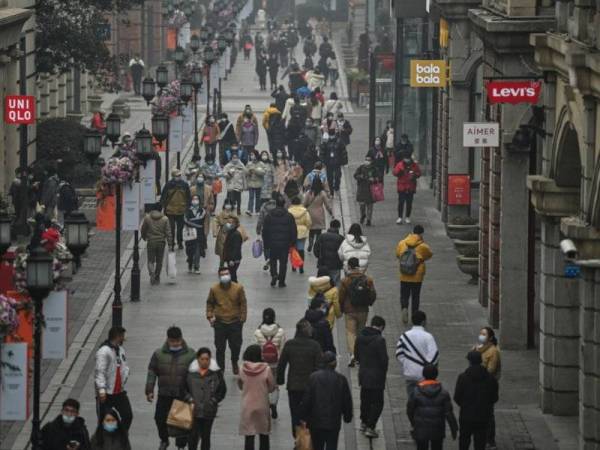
(274, 120)
(360, 291)
(67, 198)
(409, 263)
(269, 351)
(296, 112)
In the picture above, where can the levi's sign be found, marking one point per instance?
(481, 134)
(427, 73)
(19, 109)
(513, 92)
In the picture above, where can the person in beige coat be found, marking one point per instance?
(317, 201)
(303, 224)
(156, 231)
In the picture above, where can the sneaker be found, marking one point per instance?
(197, 271)
(282, 284)
(190, 269)
(180, 246)
(368, 223)
(405, 315)
(248, 213)
(399, 221)
(274, 414)
(371, 433)
(273, 281)
(363, 427)
(407, 220)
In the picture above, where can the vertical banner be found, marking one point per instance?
(54, 337)
(105, 212)
(228, 59)
(131, 207)
(214, 77)
(175, 134)
(171, 38)
(13, 384)
(148, 182)
(222, 67)
(188, 120)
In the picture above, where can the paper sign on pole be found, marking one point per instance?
(175, 134)
(481, 134)
(222, 67)
(214, 77)
(54, 336)
(131, 207)
(148, 182)
(188, 120)
(228, 59)
(13, 389)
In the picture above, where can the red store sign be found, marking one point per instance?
(459, 190)
(19, 109)
(513, 92)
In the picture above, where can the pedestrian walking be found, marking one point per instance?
(298, 146)
(312, 132)
(303, 356)
(226, 137)
(316, 105)
(156, 231)
(195, 247)
(303, 224)
(136, 68)
(271, 338)
(335, 156)
(380, 160)
(276, 133)
(211, 171)
(317, 317)
(205, 389)
(326, 250)
(388, 141)
(317, 202)
(226, 310)
(355, 245)
(210, 135)
(332, 69)
(319, 172)
(267, 188)
(487, 345)
(475, 393)
(248, 135)
(261, 68)
(255, 179)
(111, 433)
(49, 193)
(428, 410)
(323, 285)
(235, 175)
(247, 45)
(110, 376)
(412, 252)
(248, 114)
(175, 200)
(280, 96)
(357, 295)
(68, 200)
(279, 233)
(315, 79)
(365, 175)
(280, 170)
(403, 148)
(169, 366)
(232, 247)
(219, 229)
(204, 191)
(415, 349)
(344, 128)
(256, 382)
(67, 431)
(273, 66)
(407, 172)
(333, 105)
(327, 400)
(370, 352)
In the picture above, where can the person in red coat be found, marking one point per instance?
(407, 171)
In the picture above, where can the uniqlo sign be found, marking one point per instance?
(513, 92)
(481, 134)
(19, 109)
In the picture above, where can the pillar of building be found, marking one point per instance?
(61, 84)
(53, 96)
(43, 97)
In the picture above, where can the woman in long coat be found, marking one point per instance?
(317, 201)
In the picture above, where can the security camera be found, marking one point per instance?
(567, 247)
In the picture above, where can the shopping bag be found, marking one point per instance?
(189, 234)
(257, 248)
(181, 415)
(303, 440)
(295, 258)
(217, 186)
(377, 192)
(171, 267)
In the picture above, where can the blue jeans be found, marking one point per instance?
(300, 244)
(254, 199)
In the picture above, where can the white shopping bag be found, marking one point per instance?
(171, 268)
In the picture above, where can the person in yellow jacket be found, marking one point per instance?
(303, 224)
(322, 284)
(412, 253)
(271, 110)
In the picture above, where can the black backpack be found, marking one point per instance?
(67, 198)
(297, 112)
(360, 291)
(274, 121)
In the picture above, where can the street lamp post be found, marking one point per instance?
(197, 84)
(77, 236)
(209, 58)
(160, 130)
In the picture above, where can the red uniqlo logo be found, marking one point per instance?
(19, 109)
(513, 92)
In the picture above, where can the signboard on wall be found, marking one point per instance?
(409, 8)
(13, 389)
(513, 92)
(459, 190)
(19, 109)
(481, 134)
(428, 73)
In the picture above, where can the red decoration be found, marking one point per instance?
(513, 92)
(459, 190)
(19, 109)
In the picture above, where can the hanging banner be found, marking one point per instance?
(13, 382)
(459, 190)
(105, 212)
(54, 337)
(176, 134)
(159, 146)
(131, 207)
(513, 92)
(214, 77)
(188, 120)
(171, 39)
(228, 59)
(428, 73)
(148, 182)
(481, 134)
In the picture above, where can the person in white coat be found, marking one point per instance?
(235, 174)
(270, 336)
(416, 349)
(110, 375)
(355, 245)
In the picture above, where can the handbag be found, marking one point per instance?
(377, 192)
(181, 415)
(257, 248)
(189, 234)
(171, 268)
(295, 258)
(217, 186)
(303, 439)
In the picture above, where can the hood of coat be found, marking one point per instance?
(476, 373)
(156, 215)
(278, 212)
(430, 388)
(320, 284)
(351, 240)
(253, 369)
(298, 211)
(236, 163)
(314, 316)
(195, 367)
(269, 330)
(413, 240)
(370, 334)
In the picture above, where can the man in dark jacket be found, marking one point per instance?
(428, 409)
(67, 431)
(403, 147)
(327, 399)
(280, 97)
(175, 200)
(334, 154)
(232, 248)
(303, 355)
(317, 316)
(227, 136)
(169, 365)
(298, 147)
(326, 250)
(476, 392)
(344, 129)
(279, 234)
(370, 352)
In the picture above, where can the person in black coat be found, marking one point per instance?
(279, 233)
(326, 401)
(326, 250)
(299, 146)
(334, 154)
(476, 392)
(317, 316)
(261, 69)
(280, 96)
(66, 430)
(428, 409)
(370, 352)
(232, 247)
(273, 66)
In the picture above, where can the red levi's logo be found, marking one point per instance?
(513, 92)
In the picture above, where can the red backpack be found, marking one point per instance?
(270, 354)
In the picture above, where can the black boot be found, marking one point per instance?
(274, 412)
(301, 256)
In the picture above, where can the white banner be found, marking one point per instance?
(188, 120)
(175, 134)
(131, 207)
(54, 336)
(228, 59)
(148, 182)
(483, 134)
(222, 67)
(13, 382)
(214, 78)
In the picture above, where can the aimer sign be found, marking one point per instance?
(427, 73)
(19, 109)
(481, 134)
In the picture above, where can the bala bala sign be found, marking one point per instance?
(513, 92)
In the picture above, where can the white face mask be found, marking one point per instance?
(264, 158)
(482, 338)
(195, 203)
(68, 420)
(225, 279)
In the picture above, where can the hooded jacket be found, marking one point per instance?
(256, 381)
(315, 80)
(326, 250)
(270, 111)
(56, 434)
(476, 392)
(345, 294)
(108, 359)
(303, 355)
(279, 230)
(423, 253)
(321, 332)
(428, 409)
(235, 175)
(352, 249)
(176, 197)
(240, 121)
(323, 285)
(249, 134)
(170, 369)
(156, 228)
(302, 219)
(206, 391)
(415, 349)
(370, 351)
(265, 209)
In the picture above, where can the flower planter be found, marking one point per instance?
(469, 266)
(466, 247)
(95, 102)
(463, 232)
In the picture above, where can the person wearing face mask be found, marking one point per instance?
(255, 179)
(317, 202)
(226, 135)
(156, 231)
(206, 197)
(274, 124)
(487, 345)
(232, 247)
(110, 434)
(175, 200)
(266, 189)
(218, 228)
(67, 431)
(248, 135)
(344, 129)
(379, 158)
(299, 146)
(316, 315)
(195, 218)
(404, 147)
(365, 175)
(387, 139)
(280, 170)
(329, 125)
(279, 233)
(235, 176)
(210, 135)
(407, 172)
(334, 154)
(312, 132)
(226, 311)
(168, 365)
(247, 113)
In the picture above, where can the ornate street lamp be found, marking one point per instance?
(179, 55)
(204, 35)
(143, 144)
(194, 43)
(160, 131)
(162, 76)
(186, 90)
(77, 236)
(148, 89)
(209, 58)
(113, 128)
(92, 144)
(197, 77)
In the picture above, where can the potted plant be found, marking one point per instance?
(358, 81)
(469, 264)
(463, 227)
(463, 247)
